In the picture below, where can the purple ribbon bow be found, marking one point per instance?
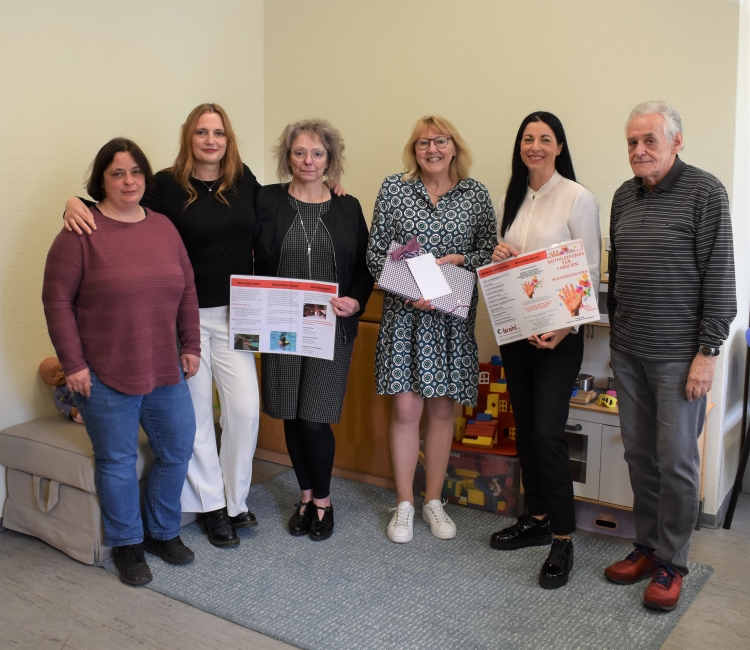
(410, 249)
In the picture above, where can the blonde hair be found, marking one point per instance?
(230, 165)
(322, 130)
(461, 163)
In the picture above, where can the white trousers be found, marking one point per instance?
(216, 480)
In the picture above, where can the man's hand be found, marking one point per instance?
(700, 377)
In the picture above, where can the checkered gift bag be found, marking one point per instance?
(397, 278)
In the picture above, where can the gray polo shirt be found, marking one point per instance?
(671, 267)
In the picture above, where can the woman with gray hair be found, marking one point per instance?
(306, 232)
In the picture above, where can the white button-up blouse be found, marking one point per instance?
(558, 211)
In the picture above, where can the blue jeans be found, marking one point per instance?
(111, 419)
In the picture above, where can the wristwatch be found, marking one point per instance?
(708, 351)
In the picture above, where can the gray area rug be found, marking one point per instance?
(358, 590)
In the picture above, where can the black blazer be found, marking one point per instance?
(346, 226)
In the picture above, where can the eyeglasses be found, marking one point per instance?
(441, 142)
(318, 155)
(610, 401)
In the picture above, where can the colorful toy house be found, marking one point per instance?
(490, 425)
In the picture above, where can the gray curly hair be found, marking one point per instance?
(329, 137)
(672, 119)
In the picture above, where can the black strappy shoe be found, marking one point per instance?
(299, 522)
(322, 528)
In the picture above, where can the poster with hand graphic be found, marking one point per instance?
(539, 292)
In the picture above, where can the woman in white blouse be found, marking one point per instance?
(544, 206)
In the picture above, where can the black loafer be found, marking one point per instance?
(527, 531)
(559, 564)
(321, 529)
(131, 565)
(244, 520)
(299, 522)
(169, 550)
(220, 530)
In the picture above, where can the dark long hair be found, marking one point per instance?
(519, 178)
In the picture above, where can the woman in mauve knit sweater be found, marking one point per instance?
(115, 303)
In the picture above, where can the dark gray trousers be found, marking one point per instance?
(660, 430)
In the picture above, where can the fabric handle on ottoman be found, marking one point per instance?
(53, 493)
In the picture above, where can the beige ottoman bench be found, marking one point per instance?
(51, 491)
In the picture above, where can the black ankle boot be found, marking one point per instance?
(527, 531)
(219, 529)
(559, 564)
(130, 561)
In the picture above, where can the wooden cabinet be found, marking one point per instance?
(362, 445)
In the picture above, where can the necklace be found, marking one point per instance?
(308, 239)
(211, 188)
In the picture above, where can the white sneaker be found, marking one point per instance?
(441, 525)
(401, 528)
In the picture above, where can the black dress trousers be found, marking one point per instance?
(540, 383)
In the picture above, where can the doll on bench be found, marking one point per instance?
(52, 374)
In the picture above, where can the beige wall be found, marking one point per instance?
(75, 74)
(373, 68)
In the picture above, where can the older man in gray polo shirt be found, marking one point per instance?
(671, 301)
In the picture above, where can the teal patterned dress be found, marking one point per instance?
(430, 353)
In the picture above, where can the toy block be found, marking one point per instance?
(496, 360)
(480, 428)
(497, 387)
(468, 411)
(484, 377)
(483, 417)
(467, 473)
(502, 406)
(500, 506)
(481, 442)
(475, 497)
(460, 428)
(492, 404)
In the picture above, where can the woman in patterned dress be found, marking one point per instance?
(427, 357)
(307, 232)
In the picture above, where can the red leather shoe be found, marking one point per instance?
(663, 592)
(639, 564)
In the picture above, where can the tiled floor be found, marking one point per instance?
(50, 602)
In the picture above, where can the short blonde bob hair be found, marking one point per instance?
(231, 163)
(461, 163)
(322, 130)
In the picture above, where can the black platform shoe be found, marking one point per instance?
(559, 564)
(244, 520)
(299, 522)
(527, 531)
(220, 530)
(321, 529)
